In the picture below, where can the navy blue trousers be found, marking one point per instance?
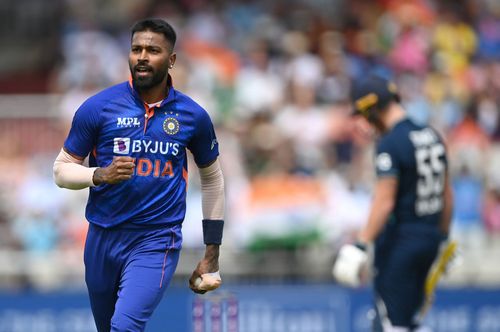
(403, 257)
(127, 272)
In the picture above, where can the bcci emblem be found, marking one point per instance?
(171, 126)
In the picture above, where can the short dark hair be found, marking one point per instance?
(155, 25)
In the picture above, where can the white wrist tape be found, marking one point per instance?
(349, 264)
(212, 191)
(70, 173)
(208, 281)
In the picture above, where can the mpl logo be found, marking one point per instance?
(121, 145)
(128, 122)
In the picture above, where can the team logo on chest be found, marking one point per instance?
(128, 122)
(171, 126)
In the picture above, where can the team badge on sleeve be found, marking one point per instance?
(171, 126)
(383, 162)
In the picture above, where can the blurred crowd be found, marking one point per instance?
(275, 76)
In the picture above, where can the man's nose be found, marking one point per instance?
(143, 56)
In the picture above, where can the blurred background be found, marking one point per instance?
(275, 77)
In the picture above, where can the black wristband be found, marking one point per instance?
(360, 245)
(212, 231)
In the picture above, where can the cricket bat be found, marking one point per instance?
(446, 255)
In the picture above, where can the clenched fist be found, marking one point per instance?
(120, 169)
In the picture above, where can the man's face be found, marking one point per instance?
(362, 130)
(365, 130)
(149, 59)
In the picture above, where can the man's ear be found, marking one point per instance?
(171, 60)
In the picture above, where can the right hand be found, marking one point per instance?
(350, 266)
(120, 169)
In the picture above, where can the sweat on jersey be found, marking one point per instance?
(116, 122)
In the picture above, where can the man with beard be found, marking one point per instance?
(136, 135)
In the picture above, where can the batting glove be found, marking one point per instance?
(351, 261)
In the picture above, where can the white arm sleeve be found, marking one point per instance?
(212, 191)
(70, 173)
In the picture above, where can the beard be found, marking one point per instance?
(147, 82)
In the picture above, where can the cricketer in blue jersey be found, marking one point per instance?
(411, 208)
(136, 135)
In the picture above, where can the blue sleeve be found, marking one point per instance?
(82, 137)
(203, 144)
(386, 160)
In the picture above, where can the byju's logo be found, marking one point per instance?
(128, 122)
(121, 145)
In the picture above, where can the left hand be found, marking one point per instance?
(202, 279)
